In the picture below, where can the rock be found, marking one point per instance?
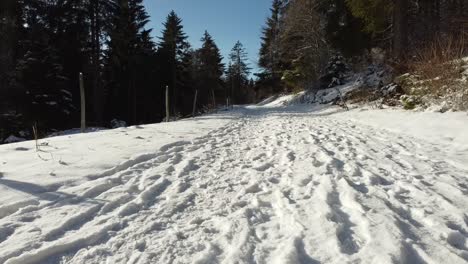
(392, 90)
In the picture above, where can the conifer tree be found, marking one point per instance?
(42, 77)
(305, 51)
(10, 28)
(269, 55)
(376, 14)
(98, 11)
(238, 73)
(344, 31)
(209, 71)
(128, 39)
(174, 49)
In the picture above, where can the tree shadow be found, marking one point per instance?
(41, 192)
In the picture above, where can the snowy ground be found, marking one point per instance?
(260, 184)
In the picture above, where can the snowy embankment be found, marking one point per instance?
(262, 184)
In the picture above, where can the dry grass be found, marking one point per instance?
(363, 95)
(439, 68)
(439, 63)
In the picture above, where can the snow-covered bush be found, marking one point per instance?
(376, 76)
(12, 124)
(13, 139)
(115, 123)
(391, 90)
(336, 72)
(409, 102)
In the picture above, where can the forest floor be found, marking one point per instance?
(259, 184)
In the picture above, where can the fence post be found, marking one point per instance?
(83, 104)
(168, 113)
(195, 103)
(214, 99)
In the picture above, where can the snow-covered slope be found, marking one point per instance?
(297, 184)
(72, 160)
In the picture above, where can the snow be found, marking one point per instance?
(272, 183)
(74, 131)
(13, 139)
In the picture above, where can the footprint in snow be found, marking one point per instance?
(264, 167)
(273, 180)
(21, 149)
(457, 240)
(254, 188)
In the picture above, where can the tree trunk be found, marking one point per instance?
(400, 24)
(134, 103)
(174, 80)
(98, 98)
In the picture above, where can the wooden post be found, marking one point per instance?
(83, 104)
(168, 113)
(214, 99)
(195, 103)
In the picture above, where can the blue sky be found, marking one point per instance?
(226, 20)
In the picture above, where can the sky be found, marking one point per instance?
(226, 20)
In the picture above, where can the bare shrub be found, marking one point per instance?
(364, 95)
(439, 62)
(439, 67)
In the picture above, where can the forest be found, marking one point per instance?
(46, 44)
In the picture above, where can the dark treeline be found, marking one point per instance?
(302, 37)
(46, 44)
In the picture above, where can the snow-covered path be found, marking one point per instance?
(269, 187)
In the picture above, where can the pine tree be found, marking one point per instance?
(269, 51)
(376, 14)
(148, 91)
(10, 26)
(127, 39)
(400, 26)
(209, 71)
(174, 49)
(42, 77)
(305, 51)
(238, 73)
(345, 32)
(98, 11)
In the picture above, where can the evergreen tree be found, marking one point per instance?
(238, 73)
(209, 71)
(10, 28)
(98, 11)
(128, 39)
(175, 50)
(269, 56)
(148, 90)
(305, 51)
(43, 72)
(344, 31)
(376, 14)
